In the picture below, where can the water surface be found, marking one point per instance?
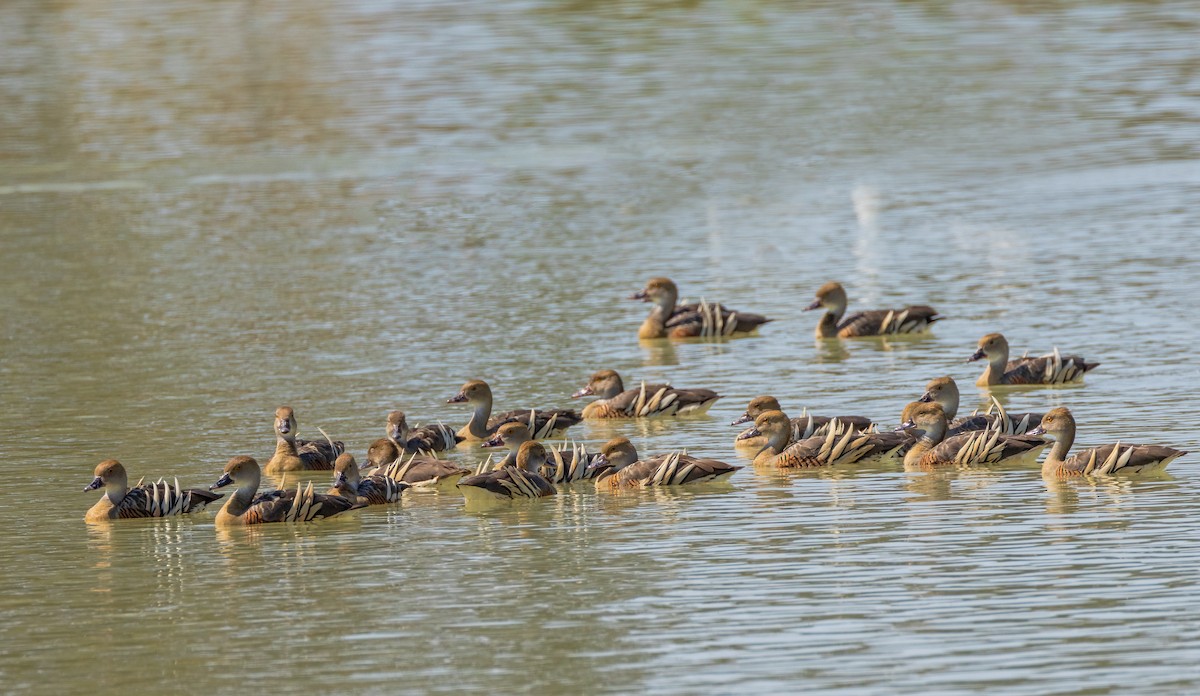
(211, 210)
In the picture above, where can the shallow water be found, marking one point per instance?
(209, 211)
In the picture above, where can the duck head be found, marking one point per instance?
(606, 384)
(510, 435)
(240, 470)
(757, 406)
(991, 347)
(831, 296)
(109, 475)
(475, 391)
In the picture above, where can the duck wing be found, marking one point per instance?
(711, 320)
(380, 490)
(1122, 458)
(422, 470)
(296, 505)
(162, 499)
(879, 322)
(544, 422)
(511, 482)
(317, 454)
(432, 438)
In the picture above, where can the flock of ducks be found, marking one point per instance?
(931, 434)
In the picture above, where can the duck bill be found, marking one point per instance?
(744, 418)
(225, 480)
(586, 391)
(95, 484)
(977, 355)
(1036, 431)
(906, 425)
(340, 480)
(283, 427)
(926, 398)
(394, 433)
(640, 295)
(598, 462)
(493, 441)
(815, 305)
(457, 398)
(752, 431)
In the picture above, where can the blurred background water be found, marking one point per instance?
(209, 210)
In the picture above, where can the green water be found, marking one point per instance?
(208, 211)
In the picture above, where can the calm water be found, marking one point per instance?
(211, 210)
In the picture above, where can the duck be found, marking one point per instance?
(564, 464)
(423, 472)
(521, 480)
(1053, 368)
(803, 427)
(619, 466)
(546, 423)
(933, 449)
(348, 482)
(703, 320)
(839, 446)
(245, 508)
(1117, 458)
(299, 455)
(874, 322)
(399, 439)
(944, 392)
(158, 499)
(648, 401)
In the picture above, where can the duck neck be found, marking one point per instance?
(827, 328)
(655, 325)
(949, 404)
(398, 437)
(477, 426)
(285, 446)
(240, 501)
(1062, 444)
(776, 442)
(997, 363)
(928, 440)
(116, 492)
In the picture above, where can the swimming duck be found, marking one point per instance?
(933, 449)
(298, 505)
(874, 322)
(944, 392)
(619, 466)
(840, 445)
(803, 427)
(547, 423)
(564, 464)
(1047, 369)
(349, 482)
(159, 499)
(422, 471)
(297, 455)
(648, 401)
(509, 482)
(400, 440)
(668, 320)
(1117, 458)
